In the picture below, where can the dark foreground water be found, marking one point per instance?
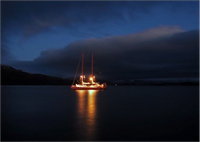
(119, 113)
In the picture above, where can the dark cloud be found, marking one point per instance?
(5, 50)
(161, 52)
(27, 19)
(30, 18)
(35, 17)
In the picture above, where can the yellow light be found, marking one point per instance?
(92, 92)
(81, 76)
(90, 78)
(81, 92)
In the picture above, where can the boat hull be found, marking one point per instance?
(88, 88)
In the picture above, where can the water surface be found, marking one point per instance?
(119, 113)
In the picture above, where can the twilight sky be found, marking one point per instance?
(129, 39)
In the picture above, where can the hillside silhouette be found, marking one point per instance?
(12, 76)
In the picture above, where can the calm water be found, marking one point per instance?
(118, 113)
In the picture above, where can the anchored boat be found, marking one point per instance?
(87, 85)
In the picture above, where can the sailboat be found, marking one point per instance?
(87, 85)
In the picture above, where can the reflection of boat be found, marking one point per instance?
(87, 85)
(87, 113)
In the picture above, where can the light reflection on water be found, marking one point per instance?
(87, 112)
(123, 113)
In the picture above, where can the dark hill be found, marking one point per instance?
(12, 76)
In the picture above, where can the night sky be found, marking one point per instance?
(130, 40)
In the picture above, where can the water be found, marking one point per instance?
(128, 113)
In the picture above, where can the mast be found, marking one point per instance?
(82, 62)
(92, 64)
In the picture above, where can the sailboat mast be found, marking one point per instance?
(82, 62)
(92, 64)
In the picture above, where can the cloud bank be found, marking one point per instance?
(162, 52)
(25, 24)
(28, 19)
